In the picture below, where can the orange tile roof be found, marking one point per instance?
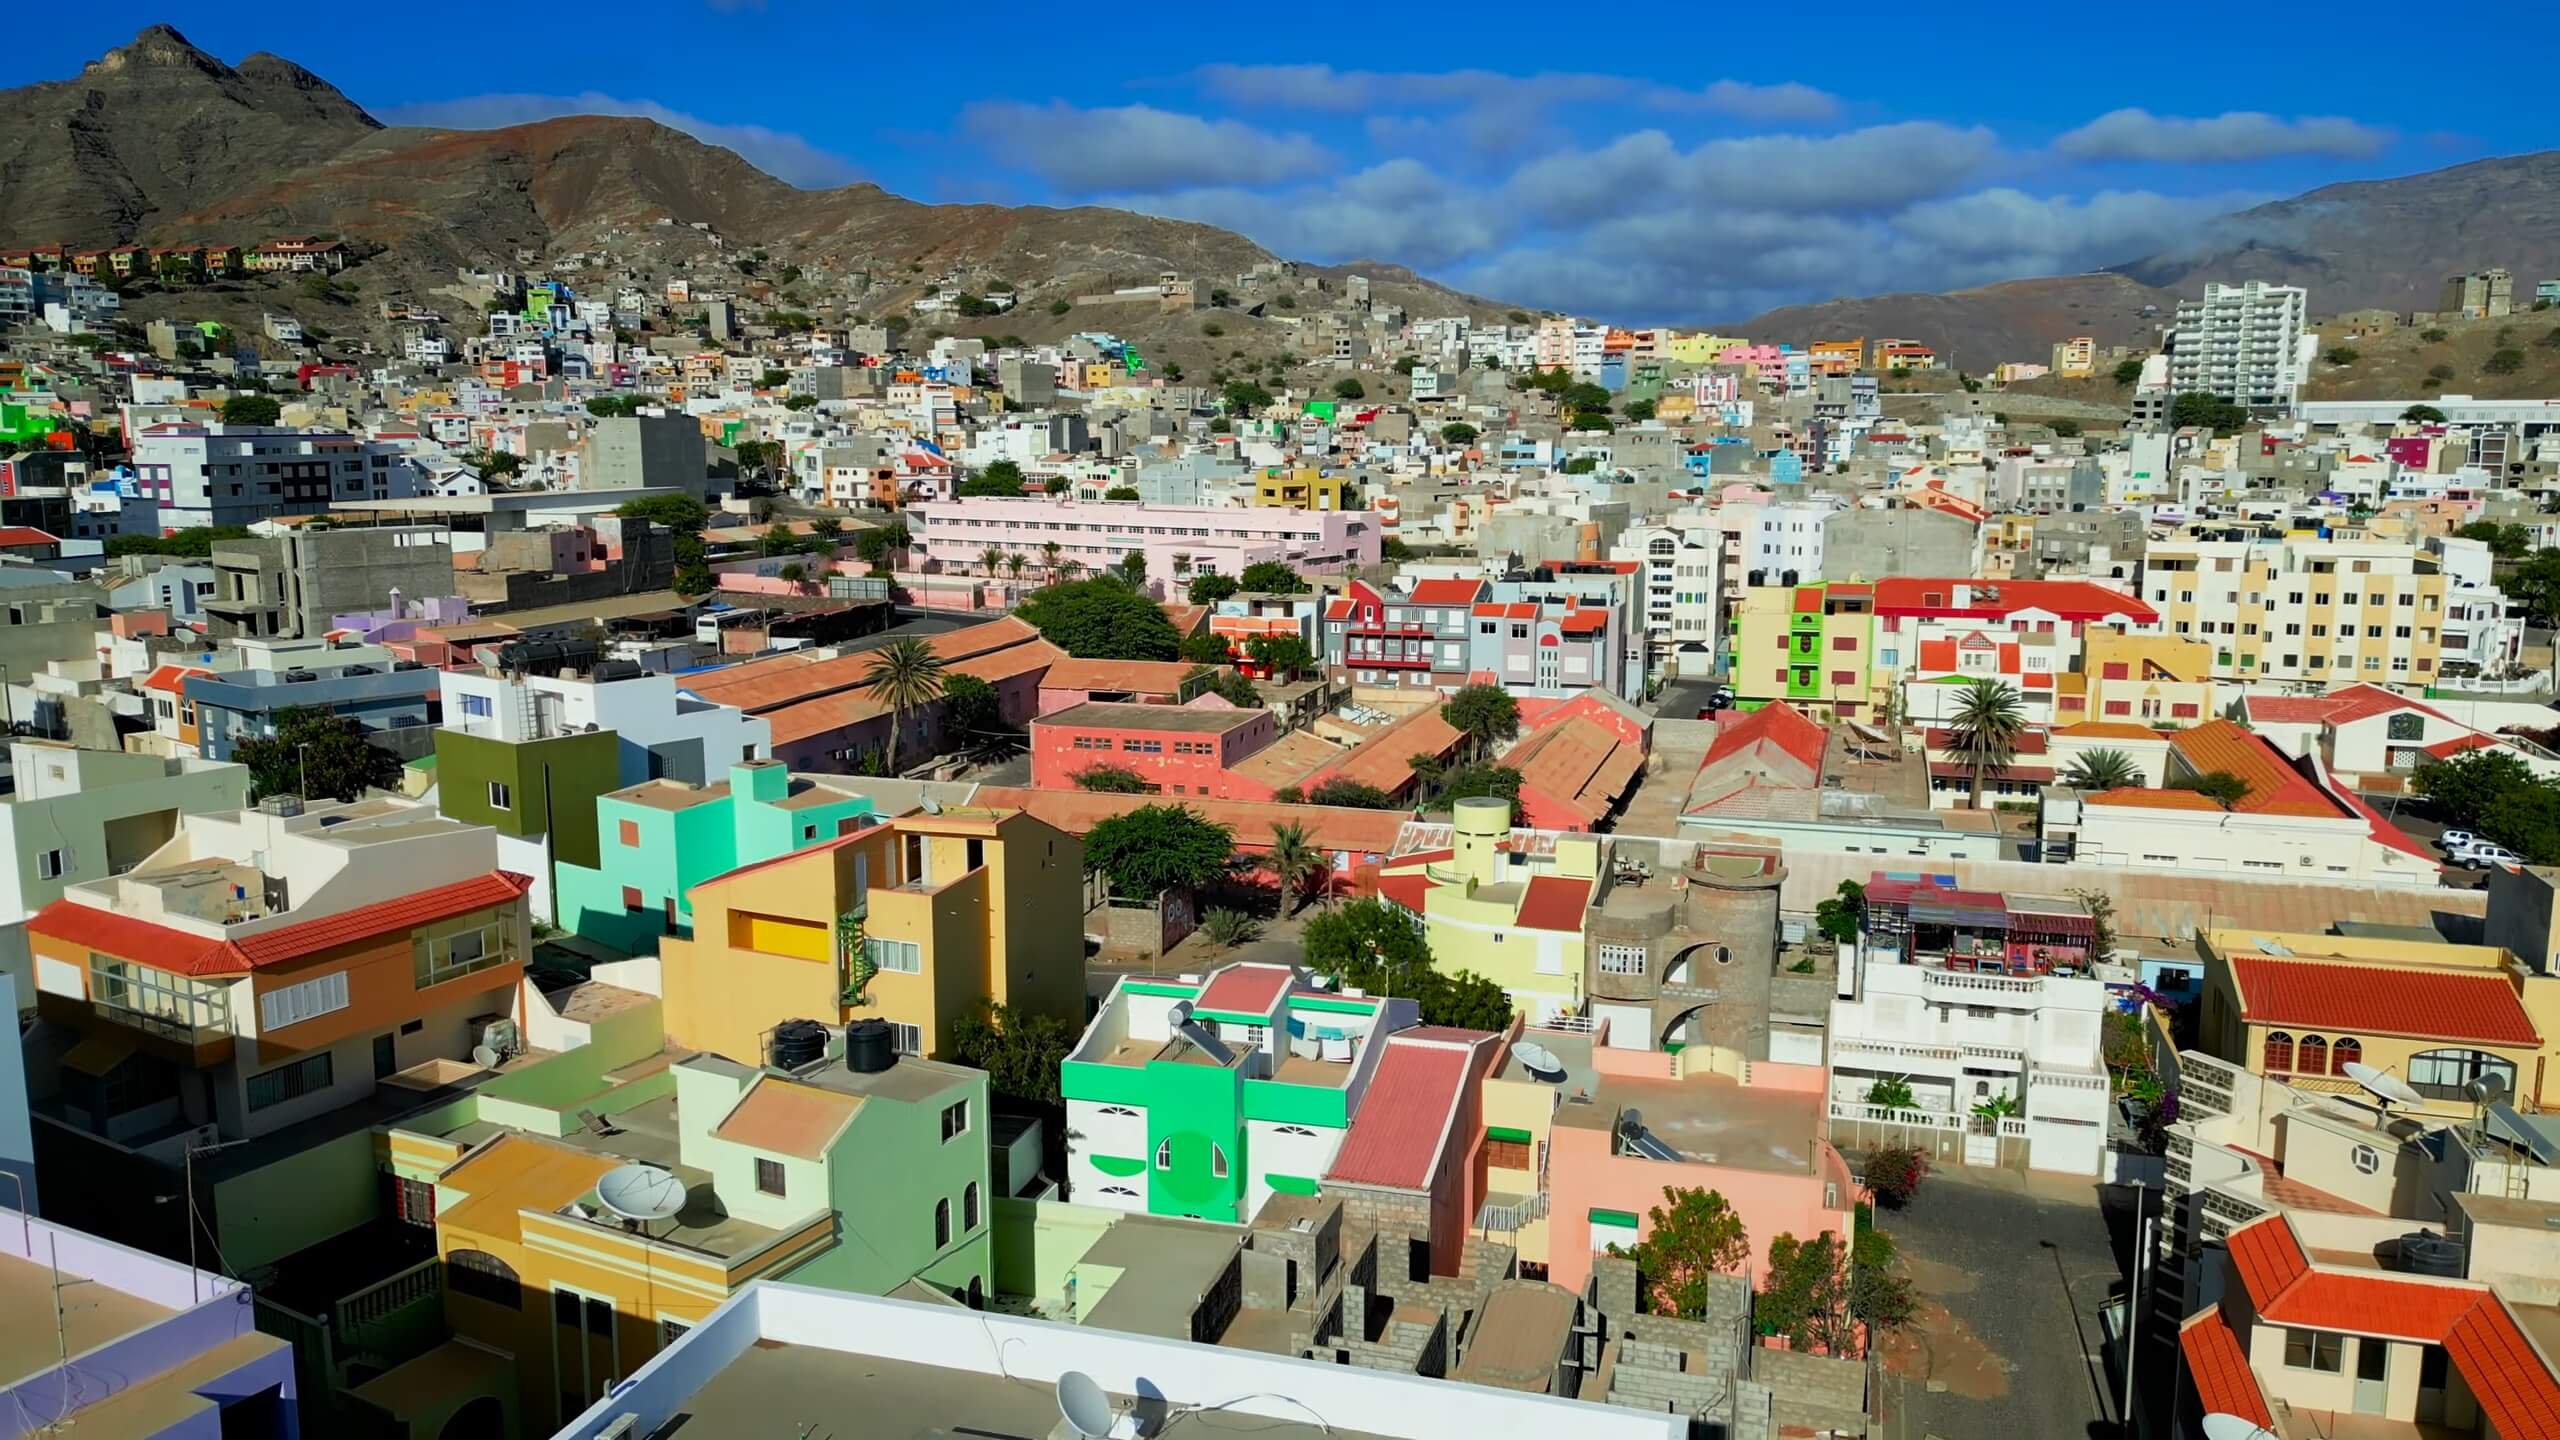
(1553, 902)
(759, 685)
(2153, 799)
(2510, 1379)
(1386, 758)
(2420, 1003)
(1580, 765)
(1148, 677)
(185, 952)
(1445, 592)
(822, 713)
(788, 1118)
(2221, 1374)
(2275, 787)
(2109, 730)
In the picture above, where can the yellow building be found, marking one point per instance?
(2075, 358)
(1305, 489)
(2300, 1008)
(2140, 679)
(1515, 918)
(2328, 612)
(1701, 347)
(952, 909)
(1837, 357)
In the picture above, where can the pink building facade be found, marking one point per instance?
(1178, 541)
(1769, 360)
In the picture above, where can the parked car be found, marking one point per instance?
(2453, 840)
(2480, 856)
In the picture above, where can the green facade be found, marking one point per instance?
(552, 786)
(1804, 648)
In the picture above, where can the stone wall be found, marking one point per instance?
(1815, 1392)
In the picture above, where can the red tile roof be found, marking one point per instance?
(2469, 740)
(1397, 1140)
(1246, 989)
(2512, 1382)
(184, 952)
(2383, 831)
(2286, 709)
(1446, 592)
(2080, 600)
(2357, 702)
(1552, 902)
(2223, 1380)
(25, 535)
(2424, 1004)
(1406, 888)
(1780, 724)
(2275, 787)
(171, 679)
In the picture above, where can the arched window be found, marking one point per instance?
(2344, 1051)
(2311, 1057)
(1164, 1155)
(2279, 1052)
(484, 1276)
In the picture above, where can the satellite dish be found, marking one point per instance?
(2221, 1426)
(2382, 1084)
(1085, 1407)
(484, 1057)
(1541, 1062)
(640, 1192)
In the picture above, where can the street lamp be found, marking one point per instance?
(302, 760)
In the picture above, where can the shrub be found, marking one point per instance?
(1230, 927)
(2505, 361)
(2431, 335)
(1894, 1173)
(1892, 1093)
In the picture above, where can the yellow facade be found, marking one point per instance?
(1702, 347)
(2328, 612)
(2144, 679)
(1473, 915)
(2228, 1034)
(989, 900)
(1306, 489)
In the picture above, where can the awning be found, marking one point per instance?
(100, 1052)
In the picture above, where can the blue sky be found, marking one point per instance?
(1607, 162)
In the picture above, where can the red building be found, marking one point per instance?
(1176, 749)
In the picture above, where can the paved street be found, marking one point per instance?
(2012, 1270)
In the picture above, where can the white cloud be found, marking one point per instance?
(785, 156)
(1321, 87)
(1401, 211)
(1879, 168)
(1136, 147)
(2136, 134)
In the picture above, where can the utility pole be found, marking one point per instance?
(2137, 1296)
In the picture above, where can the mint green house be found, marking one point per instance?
(658, 839)
(1204, 1100)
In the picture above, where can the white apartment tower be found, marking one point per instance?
(2244, 343)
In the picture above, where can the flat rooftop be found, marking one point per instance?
(1711, 1120)
(93, 1314)
(777, 1389)
(1114, 715)
(1167, 1267)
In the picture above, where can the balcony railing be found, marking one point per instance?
(167, 1025)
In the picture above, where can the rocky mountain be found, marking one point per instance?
(2386, 244)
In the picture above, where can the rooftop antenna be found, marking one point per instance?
(2382, 1085)
(638, 1194)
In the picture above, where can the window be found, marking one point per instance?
(941, 1223)
(769, 1176)
(1164, 1155)
(306, 1076)
(1622, 960)
(2442, 1074)
(413, 1202)
(670, 1331)
(2366, 1159)
(49, 865)
(483, 1276)
(969, 1207)
(2311, 1056)
(1217, 1161)
(955, 1120)
(458, 952)
(906, 1039)
(500, 797)
(632, 899)
(631, 834)
(292, 1004)
(2344, 1052)
(2312, 1350)
(894, 957)
(2279, 1054)
(478, 705)
(2408, 725)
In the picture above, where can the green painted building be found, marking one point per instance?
(530, 788)
(1203, 1100)
(658, 839)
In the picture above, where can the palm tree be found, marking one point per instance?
(1049, 557)
(905, 675)
(1986, 728)
(1426, 767)
(2103, 770)
(989, 559)
(1066, 569)
(1017, 563)
(1292, 860)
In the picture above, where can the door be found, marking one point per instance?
(386, 1058)
(2373, 1374)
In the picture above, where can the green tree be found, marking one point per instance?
(1639, 410)
(1060, 307)
(2197, 410)
(773, 379)
(1347, 388)
(1101, 620)
(1352, 795)
(1285, 656)
(680, 513)
(1469, 1001)
(1393, 550)
(2128, 371)
(251, 410)
(801, 402)
(780, 539)
(194, 543)
(1244, 397)
(1019, 1049)
(1001, 480)
(970, 706)
(1893, 1092)
(1270, 577)
(2067, 428)
(1156, 848)
(1985, 730)
(1368, 943)
(2535, 585)
(1294, 862)
(1108, 779)
(1581, 465)
(1055, 485)
(1207, 647)
(1210, 588)
(2505, 360)
(1480, 782)
(2342, 355)
(1879, 1296)
(1840, 916)
(2220, 786)
(1804, 1295)
(2507, 542)
(316, 755)
(1132, 568)
(1486, 714)
(1458, 432)
(2423, 414)
(905, 675)
(1698, 1237)
(2099, 770)
(1235, 690)
(1121, 492)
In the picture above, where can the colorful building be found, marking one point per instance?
(1508, 912)
(1812, 646)
(1205, 1099)
(918, 921)
(1305, 489)
(1176, 749)
(658, 839)
(1420, 640)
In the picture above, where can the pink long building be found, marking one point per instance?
(1179, 541)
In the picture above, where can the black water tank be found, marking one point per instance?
(868, 1047)
(797, 1043)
